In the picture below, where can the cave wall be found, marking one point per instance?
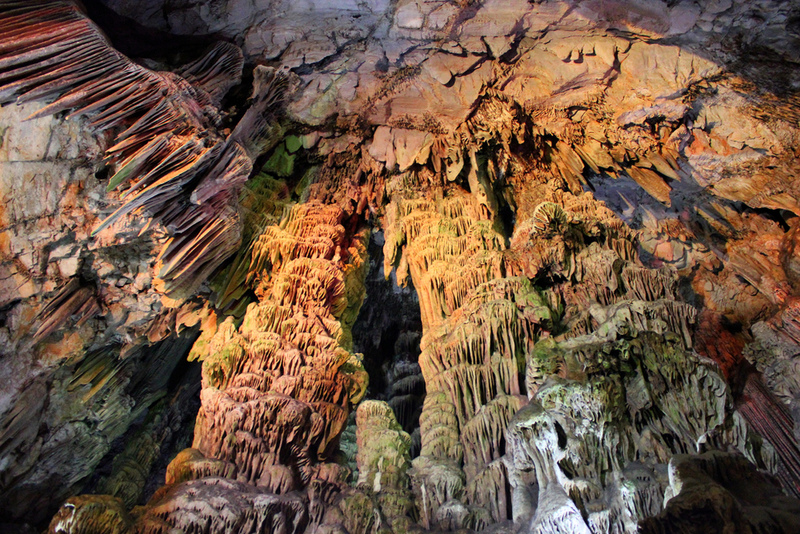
(79, 316)
(595, 206)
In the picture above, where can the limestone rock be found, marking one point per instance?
(712, 491)
(593, 205)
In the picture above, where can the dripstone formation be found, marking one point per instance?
(372, 267)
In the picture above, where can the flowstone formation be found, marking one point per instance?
(593, 205)
(277, 391)
(477, 325)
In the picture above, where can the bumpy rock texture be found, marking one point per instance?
(592, 204)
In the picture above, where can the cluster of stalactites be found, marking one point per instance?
(277, 392)
(621, 396)
(478, 324)
(594, 272)
(551, 140)
(426, 237)
(482, 317)
(179, 171)
(620, 379)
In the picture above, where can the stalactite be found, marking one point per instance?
(606, 390)
(75, 300)
(477, 324)
(771, 420)
(278, 390)
(276, 393)
(180, 171)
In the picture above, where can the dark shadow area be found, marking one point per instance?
(387, 332)
(163, 390)
(169, 422)
(137, 41)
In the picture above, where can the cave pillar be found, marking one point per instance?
(278, 389)
(477, 326)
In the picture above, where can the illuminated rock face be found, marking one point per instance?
(277, 391)
(276, 394)
(594, 204)
(606, 399)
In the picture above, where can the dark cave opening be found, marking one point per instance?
(387, 332)
(376, 360)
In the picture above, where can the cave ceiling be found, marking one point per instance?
(399, 266)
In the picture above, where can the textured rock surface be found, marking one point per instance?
(594, 202)
(72, 305)
(725, 493)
